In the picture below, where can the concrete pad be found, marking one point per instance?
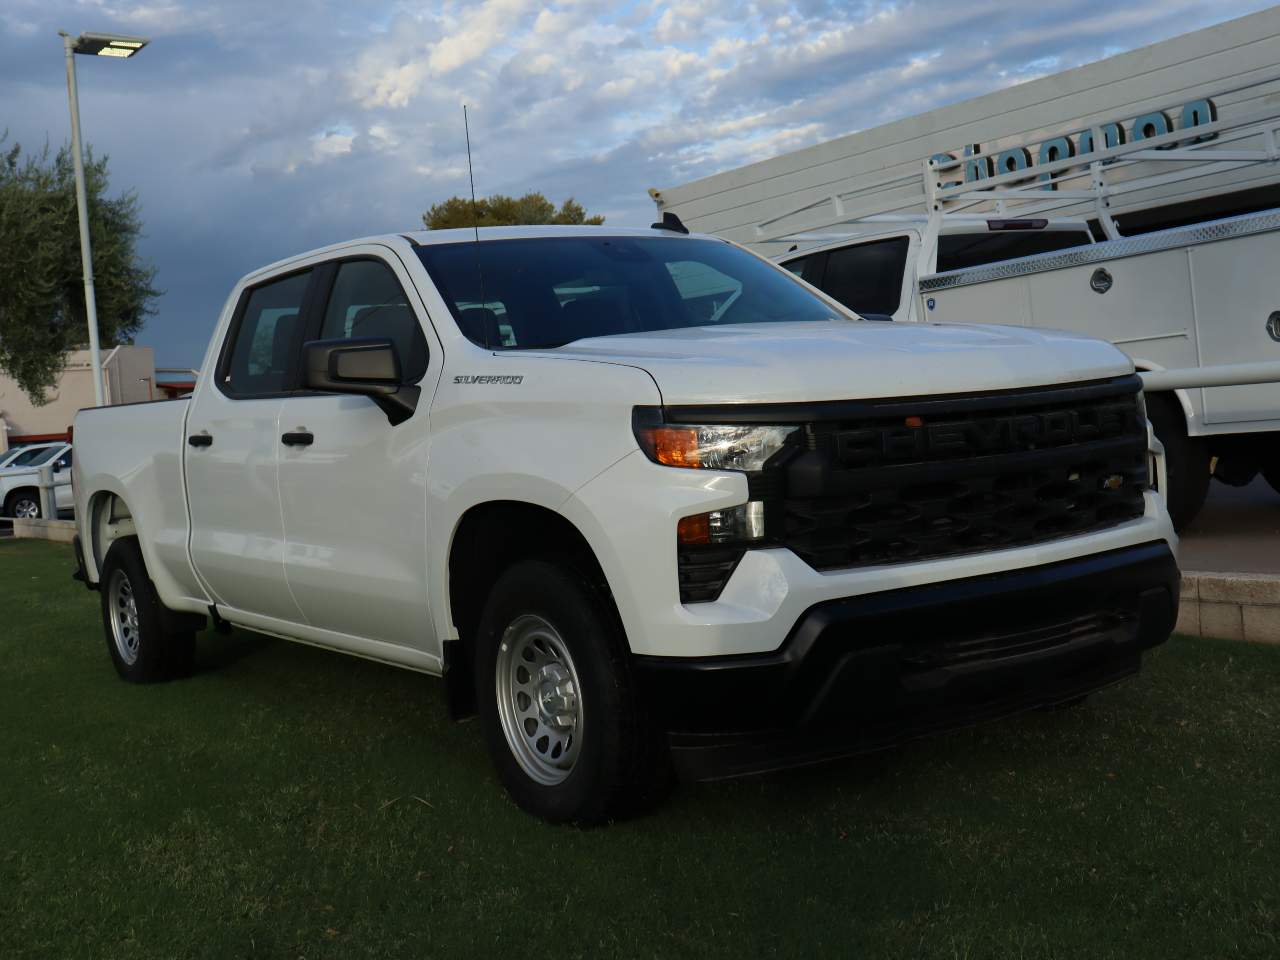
(1238, 531)
(59, 531)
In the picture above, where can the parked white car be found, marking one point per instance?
(31, 455)
(19, 482)
(641, 498)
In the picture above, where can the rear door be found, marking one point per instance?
(232, 450)
(353, 486)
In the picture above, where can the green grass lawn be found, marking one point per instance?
(288, 802)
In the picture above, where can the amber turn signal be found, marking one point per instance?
(674, 446)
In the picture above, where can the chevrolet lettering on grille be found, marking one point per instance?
(900, 443)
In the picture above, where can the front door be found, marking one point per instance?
(232, 451)
(353, 487)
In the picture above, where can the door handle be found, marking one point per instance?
(298, 438)
(200, 440)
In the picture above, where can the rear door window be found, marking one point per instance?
(267, 338)
(867, 277)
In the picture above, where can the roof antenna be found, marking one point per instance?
(475, 222)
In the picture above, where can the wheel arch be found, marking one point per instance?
(13, 494)
(109, 519)
(1180, 395)
(487, 539)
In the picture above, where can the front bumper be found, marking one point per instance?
(863, 673)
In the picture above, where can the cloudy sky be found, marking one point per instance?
(254, 129)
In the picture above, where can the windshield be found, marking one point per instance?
(33, 457)
(544, 292)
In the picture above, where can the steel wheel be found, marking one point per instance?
(124, 617)
(24, 508)
(539, 700)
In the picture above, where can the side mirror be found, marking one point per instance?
(57, 466)
(367, 367)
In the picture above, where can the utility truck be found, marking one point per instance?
(645, 500)
(1136, 199)
(1204, 293)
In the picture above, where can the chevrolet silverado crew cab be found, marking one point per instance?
(646, 501)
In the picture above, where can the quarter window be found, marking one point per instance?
(963, 250)
(266, 337)
(367, 301)
(868, 277)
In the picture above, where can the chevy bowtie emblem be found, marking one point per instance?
(1113, 482)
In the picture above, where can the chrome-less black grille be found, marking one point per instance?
(902, 481)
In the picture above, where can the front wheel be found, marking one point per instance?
(557, 701)
(1186, 460)
(23, 505)
(141, 649)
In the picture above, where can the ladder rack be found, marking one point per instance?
(1098, 178)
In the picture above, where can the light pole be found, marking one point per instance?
(102, 45)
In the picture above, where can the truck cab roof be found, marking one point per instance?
(422, 238)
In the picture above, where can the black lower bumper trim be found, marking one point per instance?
(862, 673)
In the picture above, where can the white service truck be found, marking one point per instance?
(1136, 199)
(1202, 293)
(644, 499)
(1205, 293)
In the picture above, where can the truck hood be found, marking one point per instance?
(843, 359)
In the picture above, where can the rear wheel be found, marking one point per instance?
(557, 701)
(142, 650)
(23, 505)
(1186, 460)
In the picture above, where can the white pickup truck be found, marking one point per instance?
(645, 500)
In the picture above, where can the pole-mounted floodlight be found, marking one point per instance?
(101, 45)
(107, 44)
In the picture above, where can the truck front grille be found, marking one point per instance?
(903, 481)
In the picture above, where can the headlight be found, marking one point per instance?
(711, 447)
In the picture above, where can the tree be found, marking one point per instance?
(42, 311)
(502, 211)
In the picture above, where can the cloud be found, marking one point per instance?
(253, 130)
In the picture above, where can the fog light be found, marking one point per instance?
(739, 524)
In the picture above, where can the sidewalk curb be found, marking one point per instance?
(1233, 606)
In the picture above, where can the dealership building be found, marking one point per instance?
(129, 376)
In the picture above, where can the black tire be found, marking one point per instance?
(143, 651)
(1186, 460)
(620, 765)
(18, 498)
